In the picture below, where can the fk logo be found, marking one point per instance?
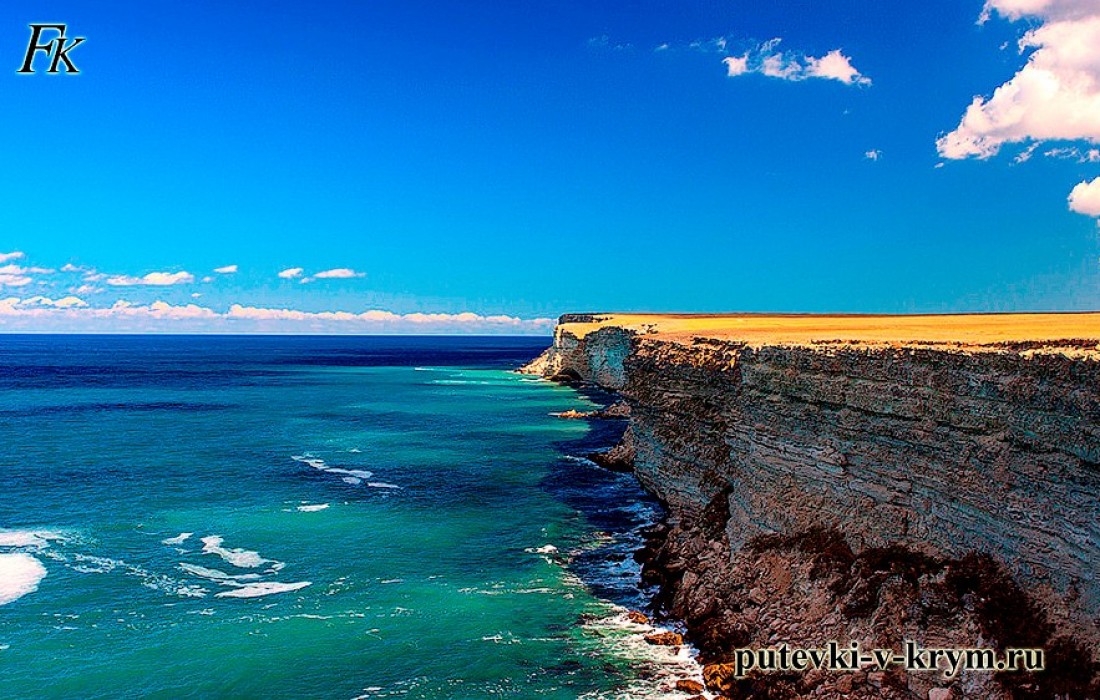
(55, 49)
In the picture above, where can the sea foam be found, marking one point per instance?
(217, 574)
(242, 558)
(19, 575)
(315, 462)
(256, 590)
(618, 636)
(352, 476)
(358, 473)
(38, 539)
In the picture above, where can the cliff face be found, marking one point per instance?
(947, 452)
(940, 451)
(599, 357)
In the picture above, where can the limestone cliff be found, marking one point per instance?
(868, 470)
(598, 357)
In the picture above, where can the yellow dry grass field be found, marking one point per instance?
(1075, 333)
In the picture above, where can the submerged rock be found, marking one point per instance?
(619, 458)
(689, 686)
(615, 410)
(666, 639)
(572, 414)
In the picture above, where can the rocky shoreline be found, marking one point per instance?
(660, 663)
(822, 493)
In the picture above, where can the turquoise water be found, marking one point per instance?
(307, 518)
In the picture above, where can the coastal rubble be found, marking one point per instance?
(619, 409)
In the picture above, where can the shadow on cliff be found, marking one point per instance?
(884, 594)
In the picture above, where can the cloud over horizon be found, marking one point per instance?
(18, 276)
(153, 279)
(338, 273)
(71, 313)
(335, 273)
(49, 309)
(63, 303)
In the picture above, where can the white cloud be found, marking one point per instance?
(237, 311)
(14, 280)
(777, 65)
(338, 273)
(14, 255)
(736, 65)
(1055, 96)
(466, 317)
(18, 276)
(43, 302)
(262, 314)
(63, 303)
(873, 154)
(189, 311)
(17, 269)
(74, 314)
(1091, 155)
(153, 279)
(227, 270)
(603, 42)
(836, 66)
(1025, 155)
(1055, 9)
(715, 45)
(1085, 198)
(768, 60)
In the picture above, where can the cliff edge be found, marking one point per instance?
(870, 478)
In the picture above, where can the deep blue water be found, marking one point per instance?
(310, 517)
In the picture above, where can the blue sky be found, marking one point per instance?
(513, 161)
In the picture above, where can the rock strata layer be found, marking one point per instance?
(854, 485)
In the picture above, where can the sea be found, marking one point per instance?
(313, 517)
